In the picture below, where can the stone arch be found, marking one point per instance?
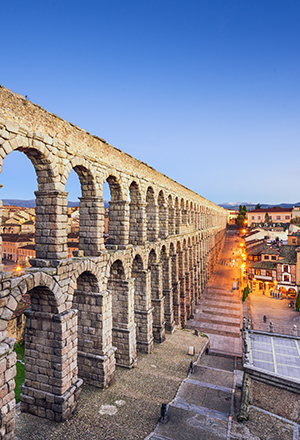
(162, 215)
(184, 217)
(95, 354)
(175, 282)
(26, 284)
(41, 157)
(171, 216)
(142, 305)
(118, 214)
(177, 216)
(48, 377)
(51, 209)
(91, 212)
(137, 216)
(123, 325)
(151, 215)
(157, 296)
(167, 289)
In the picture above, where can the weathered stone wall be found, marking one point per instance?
(99, 308)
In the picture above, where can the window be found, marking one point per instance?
(255, 258)
(287, 217)
(278, 217)
(270, 217)
(257, 272)
(285, 268)
(273, 257)
(268, 273)
(267, 257)
(286, 278)
(258, 217)
(252, 218)
(294, 240)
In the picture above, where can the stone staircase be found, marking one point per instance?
(219, 313)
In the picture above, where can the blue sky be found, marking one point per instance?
(207, 92)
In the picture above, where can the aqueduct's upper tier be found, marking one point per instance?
(98, 309)
(158, 206)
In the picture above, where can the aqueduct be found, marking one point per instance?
(97, 309)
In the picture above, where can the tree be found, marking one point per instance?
(267, 218)
(240, 220)
(298, 302)
(258, 206)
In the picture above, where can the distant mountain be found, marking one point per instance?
(235, 205)
(31, 203)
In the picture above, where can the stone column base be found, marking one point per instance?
(144, 330)
(159, 332)
(97, 370)
(51, 406)
(125, 341)
(145, 346)
(170, 325)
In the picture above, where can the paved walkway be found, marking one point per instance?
(130, 408)
(204, 405)
(219, 314)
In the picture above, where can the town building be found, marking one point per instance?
(270, 216)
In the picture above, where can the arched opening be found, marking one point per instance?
(142, 306)
(18, 211)
(85, 218)
(124, 329)
(51, 383)
(157, 297)
(177, 217)
(162, 216)
(175, 284)
(95, 355)
(137, 223)
(184, 219)
(117, 214)
(167, 289)
(171, 216)
(73, 189)
(151, 215)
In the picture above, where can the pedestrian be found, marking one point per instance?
(191, 367)
(163, 411)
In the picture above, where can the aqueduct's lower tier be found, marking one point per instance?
(90, 313)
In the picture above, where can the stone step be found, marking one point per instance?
(216, 311)
(232, 322)
(216, 329)
(220, 305)
(222, 301)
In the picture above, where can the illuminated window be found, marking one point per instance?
(285, 268)
(286, 278)
(268, 273)
(257, 272)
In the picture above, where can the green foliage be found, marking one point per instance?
(239, 221)
(267, 218)
(19, 348)
(295, 221)
(246, 292)
(298, 302)
(20, 376)
(258, 206)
